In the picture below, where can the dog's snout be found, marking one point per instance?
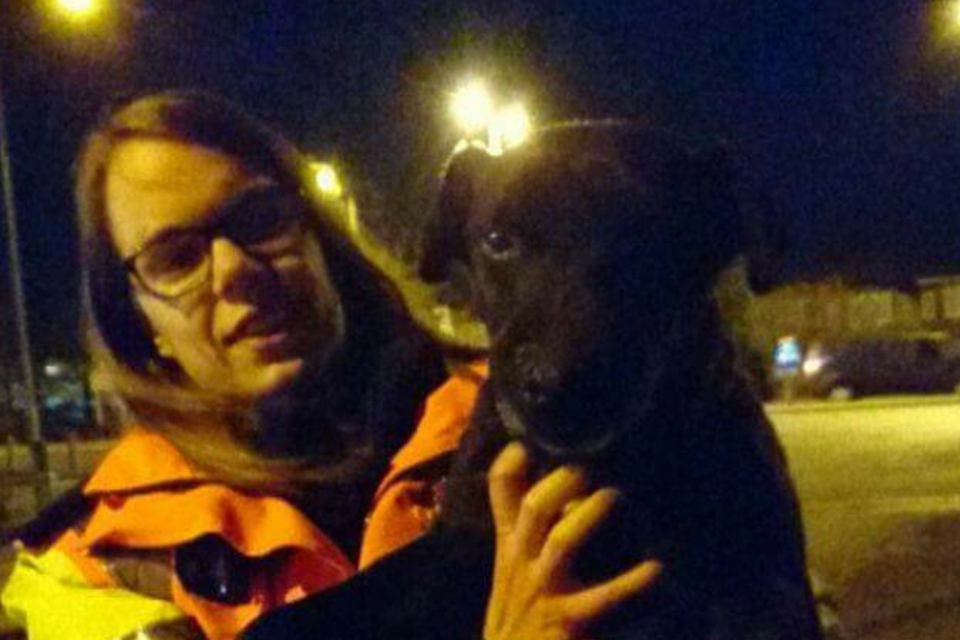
(536, 380)
(534, 392)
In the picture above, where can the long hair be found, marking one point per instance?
(138, 386)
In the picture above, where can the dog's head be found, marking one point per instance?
(585, 247)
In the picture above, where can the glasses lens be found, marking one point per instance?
(265, 223)
(175, 265)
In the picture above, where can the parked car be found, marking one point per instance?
(875, 366)
(65, 404)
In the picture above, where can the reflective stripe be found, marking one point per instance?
(48, 596)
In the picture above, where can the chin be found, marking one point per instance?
(271, 379)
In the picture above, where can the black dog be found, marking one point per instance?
(592, 252)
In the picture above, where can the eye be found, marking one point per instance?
(499, 244)
(265, 225)
(172, 259)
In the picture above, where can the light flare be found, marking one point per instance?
(472, 107)
(78, 9)
(327, 180)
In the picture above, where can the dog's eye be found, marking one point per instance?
(499, 245)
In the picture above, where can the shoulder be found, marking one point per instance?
(406, 502)
(445, 417)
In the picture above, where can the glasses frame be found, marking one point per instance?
(211, 230)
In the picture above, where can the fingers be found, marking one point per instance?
(507, 484)
(591, 603)
(539, 531)
(543, 506)
(576, 527)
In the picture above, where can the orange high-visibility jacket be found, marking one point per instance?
(147, 498)
(406, 501)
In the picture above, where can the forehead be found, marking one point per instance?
(562, 194)
(155, 184)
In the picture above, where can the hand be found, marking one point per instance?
(538, 534)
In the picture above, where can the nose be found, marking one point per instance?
(537, 381)
(233, 271)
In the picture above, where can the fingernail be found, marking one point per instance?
(610, 495)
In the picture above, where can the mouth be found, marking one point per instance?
(582, 420)
(583, 445)
(260, 329)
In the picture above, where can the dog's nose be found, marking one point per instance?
(536, 381)
(534, 393)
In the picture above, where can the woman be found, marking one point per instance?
(260, 369)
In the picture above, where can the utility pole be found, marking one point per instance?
(38, 449)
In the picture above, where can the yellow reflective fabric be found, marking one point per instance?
(48, 596)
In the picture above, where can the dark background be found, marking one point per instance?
(845, 112)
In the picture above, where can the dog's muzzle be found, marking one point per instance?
(575, 416)
(563, 443)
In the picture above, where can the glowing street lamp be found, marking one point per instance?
(78, 9)
(953, 16)
(480, 120)
(472, 107)
(944, 23)
(327, 180)
(509, 128)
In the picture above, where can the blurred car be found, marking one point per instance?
(878, 366)
(65, 404)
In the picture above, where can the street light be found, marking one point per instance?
(472, 107)
(943, 18)
(78, 9)
(498, 129)
(326, 179)
(510, 127)
(954, 16)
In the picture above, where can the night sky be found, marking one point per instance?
(845, 112)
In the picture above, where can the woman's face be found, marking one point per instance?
(241, 310)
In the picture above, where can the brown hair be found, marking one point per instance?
(129, 376)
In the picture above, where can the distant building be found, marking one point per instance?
(940, 301)
(834, 310)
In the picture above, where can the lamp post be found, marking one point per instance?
(38, 450)
(75, 11)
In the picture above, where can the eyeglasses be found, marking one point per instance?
(266, 221)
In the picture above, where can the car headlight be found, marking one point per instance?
(813, 364)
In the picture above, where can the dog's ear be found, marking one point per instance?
(445, 240)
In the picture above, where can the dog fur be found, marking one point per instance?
(592, 252)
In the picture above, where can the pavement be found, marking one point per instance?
(879, 484)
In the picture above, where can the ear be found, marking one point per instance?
(445, 241)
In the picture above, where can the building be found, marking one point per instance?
(940, 302)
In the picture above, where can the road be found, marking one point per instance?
(879, 483)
